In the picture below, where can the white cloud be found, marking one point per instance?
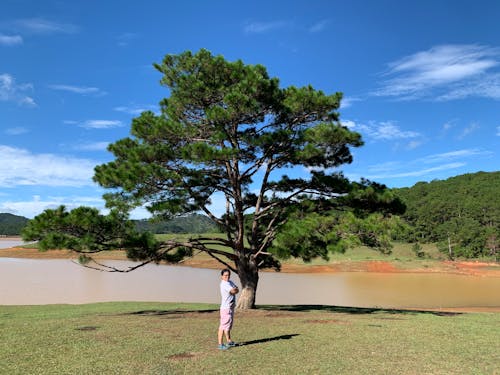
(11, 91)
(414, 168)
(498, 131)
(448, 125)
(452, 155)
(348, 102)
(135, 110)
(21, 167)
(95, 146)
(125, 38)
(263, 27)
(37, 205)
(421, 172)
(384, 130)
(468, 130)
(413, 145)
(16, 131)
(484, 86)
(349, 124)
(84, 90)
(10, 40)
(101, 124)
(319, 26)
(42, 26)
(444, 72)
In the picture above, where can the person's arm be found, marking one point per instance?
(234, 291)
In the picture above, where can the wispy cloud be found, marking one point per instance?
(21, 167)
(444, 72)
(425, 166)
(498, 131)
(319, 26)
(94, 146)
(16, 131)
(41, 26)
(124, 39)
(414, 144)
(419, 172)
(83, 90)
(381, 131)
(136, 109)
(95, 124)
(468, 130)
(448, 125)
(264, 27)
(35, 206)
(10, 40)
(348, 101)
(453, 155)
(101, 124)
(11, 91)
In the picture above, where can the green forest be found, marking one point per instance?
(11, 225)
(461, 215)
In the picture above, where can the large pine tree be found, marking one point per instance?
(228, 128)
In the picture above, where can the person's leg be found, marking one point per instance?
(220, 335)
(227, 332)
(225, 325)
(228, 335)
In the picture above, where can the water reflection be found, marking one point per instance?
(30, 281)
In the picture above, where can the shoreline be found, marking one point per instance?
(467, 268)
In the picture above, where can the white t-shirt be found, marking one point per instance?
(228, 299)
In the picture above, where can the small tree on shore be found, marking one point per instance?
(228, 130)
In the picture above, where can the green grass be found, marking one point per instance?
(161, 338)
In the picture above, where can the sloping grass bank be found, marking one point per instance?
(161, 338)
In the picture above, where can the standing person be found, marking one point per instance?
(228, 291)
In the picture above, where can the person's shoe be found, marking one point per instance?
(222, 347)
(232, 343)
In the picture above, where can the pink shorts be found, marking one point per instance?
(226, 319)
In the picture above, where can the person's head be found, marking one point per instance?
(225, 274)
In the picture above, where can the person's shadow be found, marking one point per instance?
(267, 339)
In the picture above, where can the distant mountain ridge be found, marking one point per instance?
(11, 225)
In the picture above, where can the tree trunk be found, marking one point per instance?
(450, 252)
(249, 278)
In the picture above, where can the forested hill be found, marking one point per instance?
(461, 213)
(11, 225)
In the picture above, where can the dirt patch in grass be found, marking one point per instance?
(182, 356)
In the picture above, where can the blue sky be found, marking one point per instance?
(421, 81)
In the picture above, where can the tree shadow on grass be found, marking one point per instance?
(267, 339)
(354, 310)
(298, 308)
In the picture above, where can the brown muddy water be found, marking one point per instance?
(33, 281)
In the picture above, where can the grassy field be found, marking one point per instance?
(160, 338)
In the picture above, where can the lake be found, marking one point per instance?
(55, 281)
